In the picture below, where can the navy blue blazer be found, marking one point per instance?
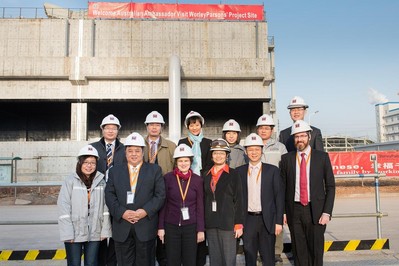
(119, 154)
(322, 184)
(272, 195)
(150, 196)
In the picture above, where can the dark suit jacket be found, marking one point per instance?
(316, 140)
(322, 184)
(229, 199)
(272, 195)
(119, 154)
(206, 155)
(150, 196)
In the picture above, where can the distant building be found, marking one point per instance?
(387, 116)
(337, 143)
(385, 146)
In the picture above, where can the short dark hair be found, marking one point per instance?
(194, 119)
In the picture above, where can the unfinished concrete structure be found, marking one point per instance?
(60, 77)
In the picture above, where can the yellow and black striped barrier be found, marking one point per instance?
(352, 245)
(59, 254)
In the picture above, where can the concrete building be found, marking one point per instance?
(60, 76)
(339, 143)
(387, 116)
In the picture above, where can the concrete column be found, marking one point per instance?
(79, 121)
(174, 98)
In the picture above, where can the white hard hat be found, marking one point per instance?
(297, 102)
(265, 120)
(192, 114)
(134, 139)
(89, 151)
(253, 140)
(183, 150)
(300, 126)
(220, 145)
(110, 120)
(231, 125)
(154, 117)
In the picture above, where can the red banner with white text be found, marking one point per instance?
(353, 163)
(175, 11)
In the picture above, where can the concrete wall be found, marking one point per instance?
(90, 68)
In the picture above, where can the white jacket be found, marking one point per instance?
(74, 220)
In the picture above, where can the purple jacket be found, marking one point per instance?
(171, 213)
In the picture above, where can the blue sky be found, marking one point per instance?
(341, 56)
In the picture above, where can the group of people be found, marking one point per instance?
(148, 199)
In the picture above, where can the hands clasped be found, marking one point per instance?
(134, 216)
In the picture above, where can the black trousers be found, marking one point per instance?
(307, 238)
(257, 238)
(181, 244)
(134, 252)
(106, 253)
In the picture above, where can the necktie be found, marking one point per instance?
(303, 181)
(133, 178)
(109, 155)
(153, 150)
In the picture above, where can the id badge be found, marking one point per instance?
(130, 197)
(185, 214)
(214, 206)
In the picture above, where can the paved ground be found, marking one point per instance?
(24, 237)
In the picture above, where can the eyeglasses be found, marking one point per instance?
(301, 136)
(219, 153)
(110, 129)
(90, 163)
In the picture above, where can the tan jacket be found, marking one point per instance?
(164, 159)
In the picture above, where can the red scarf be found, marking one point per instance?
(185, 177)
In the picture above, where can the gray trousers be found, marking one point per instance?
(222, 247)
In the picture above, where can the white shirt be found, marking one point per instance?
(254, 181)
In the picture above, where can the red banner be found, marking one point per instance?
(353, 163)
(175, 11)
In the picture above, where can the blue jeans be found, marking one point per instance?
(89, 249)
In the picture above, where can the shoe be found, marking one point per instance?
(277, 258)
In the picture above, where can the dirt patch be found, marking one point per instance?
(344, 187)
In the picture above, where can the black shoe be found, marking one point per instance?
(277, 258)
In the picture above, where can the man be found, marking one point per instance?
(271, 154)
(272, 149)
(309, 196)
(263, 195)
(134, 194)
(111, 152)
(297, 109)
(160, 151)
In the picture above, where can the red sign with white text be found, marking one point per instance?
(353, 163)
(175, 11)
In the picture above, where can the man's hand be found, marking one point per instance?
(279, 229)
(161, 235)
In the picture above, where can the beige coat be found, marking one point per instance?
(165, 160)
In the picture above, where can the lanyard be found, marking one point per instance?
(133, 178)
(183, 196)
(257, 177)
(307, 160)
(189, 140)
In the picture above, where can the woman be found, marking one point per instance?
(224, 214)
(83, 216)
(201, 161)
(231, 133)
(181, 220)
(200, 145)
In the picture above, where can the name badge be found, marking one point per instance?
(185, 214)
(214, 206)
(130, 197)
